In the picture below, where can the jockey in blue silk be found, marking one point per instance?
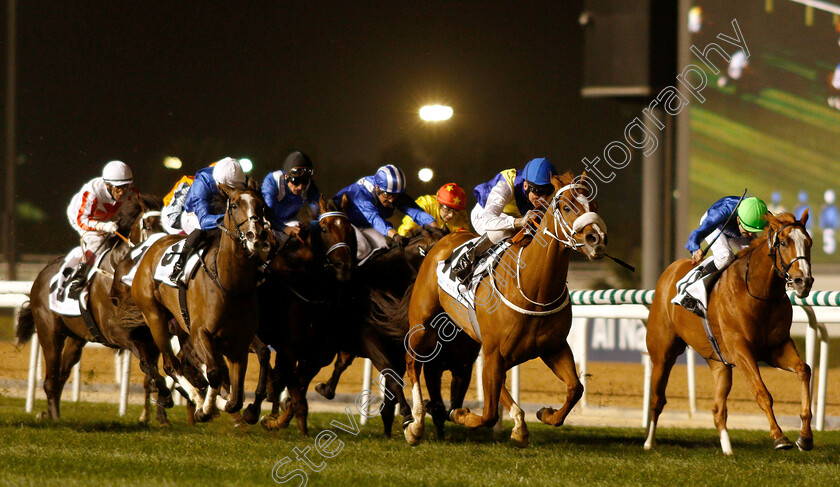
(502, 205)
(198, 220)
(288, 190)
(373, 200)
(724, 224)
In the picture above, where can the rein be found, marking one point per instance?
(568, 241)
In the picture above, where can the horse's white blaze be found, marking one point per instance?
(799, 238)
(724, 443)
(650, 435)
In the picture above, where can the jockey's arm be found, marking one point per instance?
(407, 205)
(707, 226)
(493, 216)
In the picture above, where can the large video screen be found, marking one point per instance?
(771, 119)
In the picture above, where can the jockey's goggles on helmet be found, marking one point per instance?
(540, 190)
(296, 172)
(388, 195)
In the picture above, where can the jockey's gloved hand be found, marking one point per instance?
(107, 227)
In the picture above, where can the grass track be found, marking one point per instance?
(92, 446)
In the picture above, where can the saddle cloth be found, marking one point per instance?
(690, 277)
(60, 303)
(167, 261)
(465, 294)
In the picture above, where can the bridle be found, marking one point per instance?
(145, 227)
(336, 246)
(239, 236)
(569, 231)
(781, 268)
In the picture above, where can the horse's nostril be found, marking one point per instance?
(250, 236)
(799, 281)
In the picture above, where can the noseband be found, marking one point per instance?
(783, 272)
(569, 231)
(335, 214)
(239, 236)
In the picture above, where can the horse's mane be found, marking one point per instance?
(773, 222)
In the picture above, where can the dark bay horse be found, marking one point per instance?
(750, 315)
(63, 337)
(532, 320)
(301, 312)
(221, 299)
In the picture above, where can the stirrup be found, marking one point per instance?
(176, 272)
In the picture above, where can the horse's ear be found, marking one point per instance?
(225, 189)
(344, 203)
(804, 217)
(326, 204)
(772, 221)
(253, 184)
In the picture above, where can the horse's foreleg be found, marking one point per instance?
(252, 413)
(156, 317)
(749, 367)
(237, 367)
(663, 357)
(788, 359)
(435, 404)
(562, 363)
(215, 369)
(52, 345)
(148, 355)
(493, 380)
(722, 375)
(342, 361)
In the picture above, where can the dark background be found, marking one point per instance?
(199, 80)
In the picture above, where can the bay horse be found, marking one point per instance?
(534, 320)
(750, 315)
(301, 313)
(221, 299)
(63, 337)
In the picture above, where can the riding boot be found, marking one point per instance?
(696, 290)
(191, 242)
(465, 266)
(77, 281)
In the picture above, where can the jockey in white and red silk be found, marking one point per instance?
(93, 211)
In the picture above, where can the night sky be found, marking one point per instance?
(199, 80)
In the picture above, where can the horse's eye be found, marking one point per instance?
(567, 209)
(783, 243)
(232, 206)
(324, 230)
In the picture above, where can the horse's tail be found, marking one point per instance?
(128, 315)
(389, 313)
(25, 324)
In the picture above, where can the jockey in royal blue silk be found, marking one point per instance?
(726, 223)
(502, 205)
(92, 212)
(287, 191)
(373, 200)
(199, 220)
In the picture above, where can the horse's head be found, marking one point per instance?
(572, 217)
(420, 244)
(337, 236)
(245, 220)
(790, 249)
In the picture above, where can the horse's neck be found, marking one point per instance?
(543, 265)
(235, 269)
(761, 280)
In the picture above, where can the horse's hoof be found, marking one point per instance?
(325, 391)
(43, 416)
(520, 439)
(407, 422)
(165, 424)
(541, 412)
(232, 408)
(410, 437)
(202, 417)
(251, 414)
(805, 444)
(165, 402)
(782, 443)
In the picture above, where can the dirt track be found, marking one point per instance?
(609, 384)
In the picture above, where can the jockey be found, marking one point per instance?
(723, 232)
(502, 202)
(173, 205)
(92, 212)
(288, 190)
(373, 200)
(447, 208)
(198, 220)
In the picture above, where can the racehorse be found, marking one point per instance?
(534, 321)
(363, 334)
(63, 337)
(302, 311)
(750, 316)
(220, 298)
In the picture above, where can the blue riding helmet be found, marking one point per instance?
(390, 178)
(539, 171)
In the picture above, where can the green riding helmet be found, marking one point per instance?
(751, 212)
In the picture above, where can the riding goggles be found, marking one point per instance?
(540, 190)
(299, 180)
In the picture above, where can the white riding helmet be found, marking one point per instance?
(228, 172)
(117, 173)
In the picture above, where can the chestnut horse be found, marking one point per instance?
(750, 315)
(221, 299)
(534, 320)
(63, 337)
